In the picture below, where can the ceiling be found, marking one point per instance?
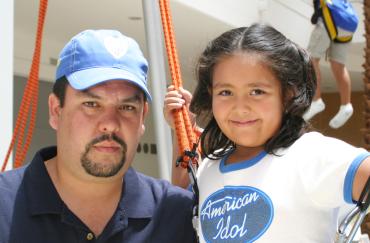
(195, 23)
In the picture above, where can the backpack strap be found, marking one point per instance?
(330, 25)
(328, 20)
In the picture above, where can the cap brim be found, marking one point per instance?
(87, 78)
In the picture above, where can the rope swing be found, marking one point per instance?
(28, 107)
(187, 138)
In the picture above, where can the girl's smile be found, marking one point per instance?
(246, 123)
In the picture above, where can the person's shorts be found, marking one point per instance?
(320, 45)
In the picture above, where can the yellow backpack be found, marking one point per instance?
(340, 19)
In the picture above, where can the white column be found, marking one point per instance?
(157, 72)
(6, 77)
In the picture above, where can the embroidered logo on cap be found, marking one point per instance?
(116, 46)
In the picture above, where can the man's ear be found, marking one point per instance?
(145, 114)
(54, 111)
(145, 110)
(142, 130)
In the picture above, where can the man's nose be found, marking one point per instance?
(109, 121)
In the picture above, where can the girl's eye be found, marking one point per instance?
(91, 104)
(257, 92)
(224, 93)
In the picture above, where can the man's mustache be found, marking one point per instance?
(107, 137)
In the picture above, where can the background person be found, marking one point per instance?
(321, 46)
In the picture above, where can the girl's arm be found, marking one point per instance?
(179, 175)
(361, 177)
(175, 100)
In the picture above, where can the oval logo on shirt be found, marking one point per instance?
(236, 214)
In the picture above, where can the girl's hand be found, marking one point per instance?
(174, 100)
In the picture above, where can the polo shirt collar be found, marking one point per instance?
(42, 196)
(138, 200)
(138, 197)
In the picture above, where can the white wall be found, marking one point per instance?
(6, 77)
(232, 12)
(292, 18)
(23, 52)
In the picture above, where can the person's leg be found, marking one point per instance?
(338, 55)
(317, 104)
(318, 44)
(343, 80)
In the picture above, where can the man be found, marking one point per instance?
(319, 46)
(84, 190)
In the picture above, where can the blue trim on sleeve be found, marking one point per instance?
(350, 176)
(242, 164)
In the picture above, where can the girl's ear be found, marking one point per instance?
(209, 89)
(288, 98)
(54, 111)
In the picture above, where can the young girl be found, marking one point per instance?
(265, 178)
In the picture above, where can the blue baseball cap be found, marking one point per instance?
(95, 56)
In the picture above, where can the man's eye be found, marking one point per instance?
(90, 104)
(127, 108)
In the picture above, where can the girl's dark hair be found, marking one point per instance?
(291, 65)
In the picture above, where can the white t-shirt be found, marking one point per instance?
(293, 197)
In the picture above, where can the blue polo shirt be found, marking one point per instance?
(31, 210)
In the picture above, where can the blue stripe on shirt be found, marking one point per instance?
(350, 176)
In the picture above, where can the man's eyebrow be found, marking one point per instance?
(135, 98)
(88, 93)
